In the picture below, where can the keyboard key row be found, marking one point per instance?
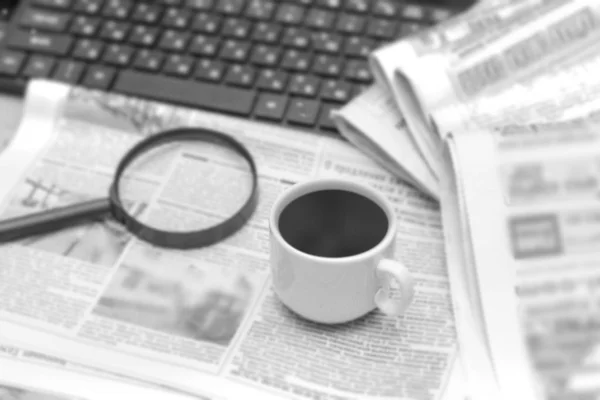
(48, 20)
(177, 41)
(286, 11)
(234, 51)
(275, 81)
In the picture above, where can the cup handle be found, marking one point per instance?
(386, 271)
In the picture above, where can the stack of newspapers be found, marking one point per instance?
(496, 113)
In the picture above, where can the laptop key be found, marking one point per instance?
(83, 25)
(260, 9)
(272, 80)
(241, 75)
(270, 106)
(266, 32)
(325, 120)
(179, 65)
(55, 44)
(296, 37)
(88, 6)
(203, 45)
(142, 35)
(118, 55)
(294, 60)
(290, 14)
(336, 91)
(176, 18)
(265, 55)
(230, 7)
(320, 19)
(358, 70)
(175, 3)
(11, 62)
(199, 4)
(327, 42)
(303, 112)
(382, 29)
(235, 50)
(148, 60)
(117, 9)
(88, 49)
(358, 6)
(210, 70)
(39, 66)
(327, 65)
(236, 28)
(304, 85)
(174, 41)
(185, 92)
(45, 20)
(331, 4)
(386, 8)
(206, 23)
(351, 23)
(115, 31)
(58, 4)
(69, 71)
(99, 77)
(146, 13)
(357, 46)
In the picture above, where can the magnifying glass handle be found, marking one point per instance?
(52, 220)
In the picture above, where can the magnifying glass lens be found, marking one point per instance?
(186, 186)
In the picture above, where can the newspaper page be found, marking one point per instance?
(205, 321)
(11, 115)
(530, 202)
(9, 355)
(472, 26)
(388, 140)
(563, 89)
(12, 392)
(28, 375)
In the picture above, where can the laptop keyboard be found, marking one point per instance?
(288, 62)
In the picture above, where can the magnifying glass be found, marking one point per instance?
(201, 186)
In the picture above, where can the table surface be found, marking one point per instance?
(10, 116)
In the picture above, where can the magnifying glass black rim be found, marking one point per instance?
(190, 239)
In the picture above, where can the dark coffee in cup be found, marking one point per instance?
(333, 223)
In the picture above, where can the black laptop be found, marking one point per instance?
(287, 62)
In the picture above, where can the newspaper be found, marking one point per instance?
(11, 115)
(390, 64)
(29, 375)
(389, 140)
(525, 199)
(95, 296)
(562, 89)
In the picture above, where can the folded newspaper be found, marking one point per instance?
(521, 218)
(94, 296)
(501, 105)
(513, 61)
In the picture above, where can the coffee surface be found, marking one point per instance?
(333, 223)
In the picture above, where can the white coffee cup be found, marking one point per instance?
(332, 243)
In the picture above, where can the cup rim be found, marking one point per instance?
(315, 185)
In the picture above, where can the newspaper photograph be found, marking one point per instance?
(536, 239)
(205, 321)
